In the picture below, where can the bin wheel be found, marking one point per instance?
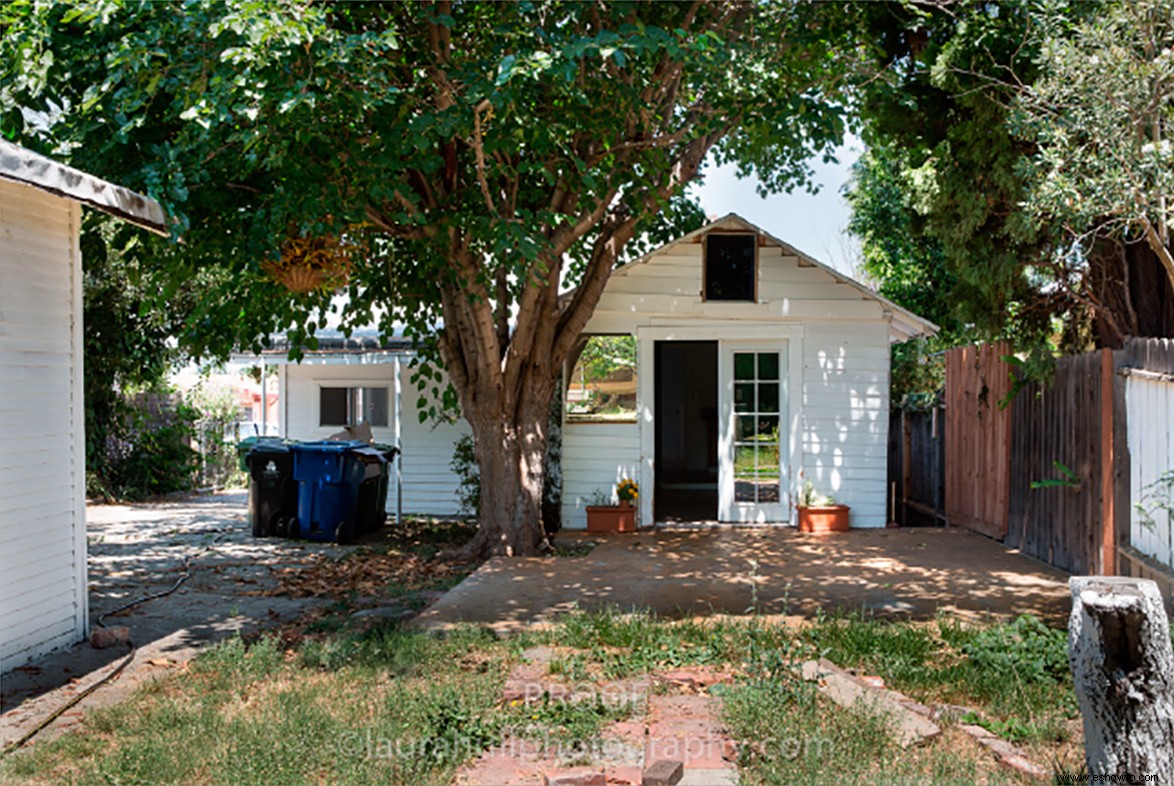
(344, 534)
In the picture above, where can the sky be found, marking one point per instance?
(814, 224)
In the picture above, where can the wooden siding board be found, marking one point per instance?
(845, 406)
(595, 456)
(42, 546)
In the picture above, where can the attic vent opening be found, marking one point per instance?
(730, 267)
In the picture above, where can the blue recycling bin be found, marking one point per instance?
(328, 475)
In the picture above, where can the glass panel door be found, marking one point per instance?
(755, 440)
(756, 427)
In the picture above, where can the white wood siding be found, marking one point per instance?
(595, 456)
(1150, 404)
(845, 416)
(43, 603)
(842, 336)
(669, 285)
(429, 485)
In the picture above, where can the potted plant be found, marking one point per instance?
(602, 516)
(819, 513)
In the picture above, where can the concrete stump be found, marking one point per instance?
(1123, 670)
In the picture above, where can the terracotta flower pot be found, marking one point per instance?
(611, 518)
(824, 519)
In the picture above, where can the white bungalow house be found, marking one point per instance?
(757, 369)
(43, 582)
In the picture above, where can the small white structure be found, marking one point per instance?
(757, 370)
(347, 381)
(43, 583)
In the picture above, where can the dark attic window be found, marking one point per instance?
(729, 267)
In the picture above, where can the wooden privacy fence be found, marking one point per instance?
(977, 438)
(1075, 435)
(917, 461)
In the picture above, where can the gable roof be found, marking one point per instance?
(32, 169)
(905, 324)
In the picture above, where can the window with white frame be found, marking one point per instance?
(601, 388)
(349, 406)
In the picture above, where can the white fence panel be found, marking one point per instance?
(1150, 401)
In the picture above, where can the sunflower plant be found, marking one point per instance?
(627, 490)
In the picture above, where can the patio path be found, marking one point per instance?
(688, 572)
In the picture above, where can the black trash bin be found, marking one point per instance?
(273, 493)
(371, 508)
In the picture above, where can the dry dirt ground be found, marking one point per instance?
(139, 550)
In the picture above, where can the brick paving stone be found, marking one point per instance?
(663, 772)
(576, 776)
(623, 776)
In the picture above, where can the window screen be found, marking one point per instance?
(729, 267)
(351, 406)
(372, 406)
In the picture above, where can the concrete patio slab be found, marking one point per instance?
(728, 570)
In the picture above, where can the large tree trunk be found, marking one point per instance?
(510, 458)
(1123, 670)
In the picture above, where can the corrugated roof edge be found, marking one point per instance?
(20, 165)
(340, 345)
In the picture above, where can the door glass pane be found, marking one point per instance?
(746, 429)
(768, 428)
(743, 365)
(745, 473)
(744, 397)
(768, 365)
(768, 396)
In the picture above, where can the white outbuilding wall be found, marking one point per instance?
(833, 332)
(42, 451)
(429, 484)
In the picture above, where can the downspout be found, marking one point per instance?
(399, 456)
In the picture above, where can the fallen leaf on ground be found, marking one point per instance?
(363, 574)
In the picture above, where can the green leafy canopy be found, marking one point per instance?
(405, 125)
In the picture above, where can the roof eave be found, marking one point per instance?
(32, 169)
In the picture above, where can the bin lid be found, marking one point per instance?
(269, 445)
(328, 446)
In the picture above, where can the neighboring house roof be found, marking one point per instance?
(24, 166)
(280, 346)
(905, 323)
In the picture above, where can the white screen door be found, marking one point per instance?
(753, 476)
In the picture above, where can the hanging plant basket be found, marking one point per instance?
(311, 264)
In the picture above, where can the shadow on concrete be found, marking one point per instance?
(913, 573)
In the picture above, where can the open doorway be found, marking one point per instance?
(686, 431)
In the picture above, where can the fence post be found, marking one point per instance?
(1123, 671)
(1108, 555)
